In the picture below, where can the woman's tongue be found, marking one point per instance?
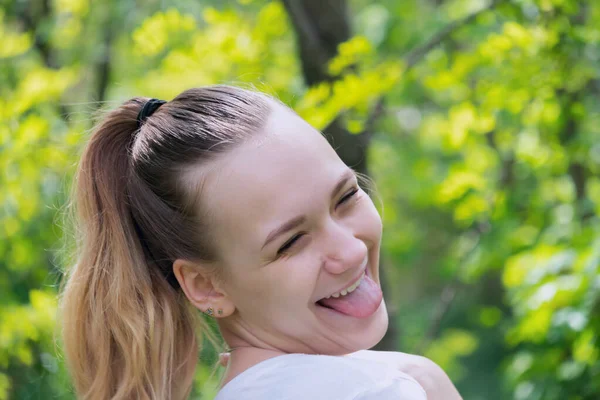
(361, 303)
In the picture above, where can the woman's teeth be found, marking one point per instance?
(349, 289)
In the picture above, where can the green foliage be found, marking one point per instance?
(505, 141)
(448, 350)
(486, 156)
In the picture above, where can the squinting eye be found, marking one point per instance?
(289, 244)
(348, 196)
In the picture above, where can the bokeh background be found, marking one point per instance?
(479, 121)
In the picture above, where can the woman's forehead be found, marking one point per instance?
(260, 182)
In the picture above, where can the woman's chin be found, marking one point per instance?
(369, 336)
(380, 325)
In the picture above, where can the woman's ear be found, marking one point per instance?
(202, 288)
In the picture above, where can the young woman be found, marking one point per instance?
(225, 201)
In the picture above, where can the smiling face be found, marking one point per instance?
(292, 228)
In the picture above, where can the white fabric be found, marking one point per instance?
(321, 377)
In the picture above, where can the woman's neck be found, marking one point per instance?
(244, 357)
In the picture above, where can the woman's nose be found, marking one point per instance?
(343, 251)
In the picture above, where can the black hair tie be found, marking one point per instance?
(148, 109)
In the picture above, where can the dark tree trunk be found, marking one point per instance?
(321, 25)
(103, 66)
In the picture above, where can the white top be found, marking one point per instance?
(321, 377)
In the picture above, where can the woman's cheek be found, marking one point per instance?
(302, 275)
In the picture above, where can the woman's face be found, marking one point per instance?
(293, 227)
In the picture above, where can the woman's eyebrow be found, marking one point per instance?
(288, 226)
(300, 219)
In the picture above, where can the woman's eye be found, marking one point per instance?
(348, 196)
(288, 245)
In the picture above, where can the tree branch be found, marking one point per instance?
(320, 27)
(449, 292)
(377, 111)
(444, 304)
(414, 56)
(103, 67)
(32, 17)
(305, 28)
(417, 54)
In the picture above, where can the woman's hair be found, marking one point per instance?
(128, 330)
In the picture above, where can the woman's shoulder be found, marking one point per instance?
(300, 376)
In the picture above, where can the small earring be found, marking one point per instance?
(220, 311)
(209, 311)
